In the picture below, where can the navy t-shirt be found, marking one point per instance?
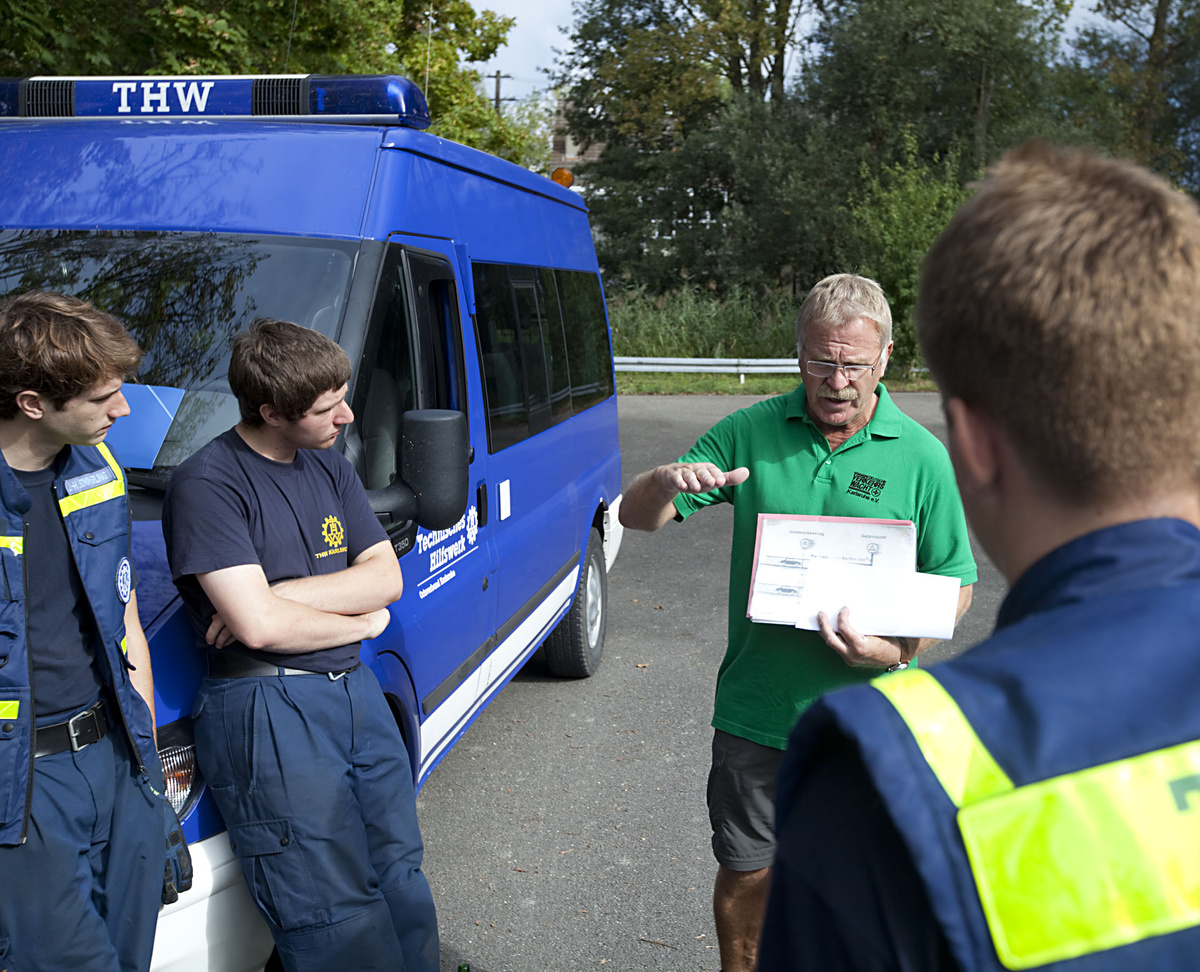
(228, 506)
(59, 630)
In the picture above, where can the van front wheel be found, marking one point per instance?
(574, 647)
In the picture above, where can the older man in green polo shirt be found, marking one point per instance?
(808, 452)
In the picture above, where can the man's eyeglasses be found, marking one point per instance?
(853, 372)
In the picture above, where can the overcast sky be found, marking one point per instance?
(530, 43)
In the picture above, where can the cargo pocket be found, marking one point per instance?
(277, 873)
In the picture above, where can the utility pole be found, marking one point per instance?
(497, 76)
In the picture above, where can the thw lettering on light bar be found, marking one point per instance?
(157, 96)
(228, 95)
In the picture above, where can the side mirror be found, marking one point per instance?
(433, 481)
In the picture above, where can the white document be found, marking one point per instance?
(882, 601)
(790, 547)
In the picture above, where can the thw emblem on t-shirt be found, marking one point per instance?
(334, 535)
(868, 487)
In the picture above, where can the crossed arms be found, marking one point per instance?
(304, 613)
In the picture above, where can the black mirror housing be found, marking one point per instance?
(433, 483)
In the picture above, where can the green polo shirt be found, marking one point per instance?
(892, 469)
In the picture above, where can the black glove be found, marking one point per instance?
(177, 876)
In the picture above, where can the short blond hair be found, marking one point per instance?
(1063, 300)
(842, 298)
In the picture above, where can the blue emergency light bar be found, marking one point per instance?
(205, 97)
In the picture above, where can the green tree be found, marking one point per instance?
(970, 77)
(896, 215)
(1136, 84)
(649, 72)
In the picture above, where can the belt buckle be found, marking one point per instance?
(334, 676)
(73, 732)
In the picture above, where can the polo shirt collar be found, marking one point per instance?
(885, 422)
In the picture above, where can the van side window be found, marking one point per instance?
(588, 347)
(435, 302)
(543, 346)
(500, 357)
(413, 356)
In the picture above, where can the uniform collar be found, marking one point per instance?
(12, 493)
(1129, 556)
(884, 423)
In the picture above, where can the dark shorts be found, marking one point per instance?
(741, 802)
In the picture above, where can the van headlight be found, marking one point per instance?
(177, 750)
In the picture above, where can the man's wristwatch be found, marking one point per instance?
(898, 667)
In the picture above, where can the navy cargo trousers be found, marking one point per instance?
(314, 783)
(82, 892)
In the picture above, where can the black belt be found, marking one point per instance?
(233, 664)
(81, 730)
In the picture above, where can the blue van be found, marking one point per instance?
(458, 284)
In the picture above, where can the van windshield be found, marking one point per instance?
(182, 296)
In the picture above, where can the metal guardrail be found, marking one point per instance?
(734, 366)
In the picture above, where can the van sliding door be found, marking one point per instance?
(533, 497)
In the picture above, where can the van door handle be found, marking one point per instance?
(481, 503)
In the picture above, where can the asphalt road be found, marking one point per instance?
(568, 830)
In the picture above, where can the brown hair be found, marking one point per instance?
(841, 298)
(1064, 301)
(285, 366)
(59, 347)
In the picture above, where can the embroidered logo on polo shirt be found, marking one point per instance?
(868, 487)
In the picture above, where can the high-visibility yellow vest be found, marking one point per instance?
(1075, 864)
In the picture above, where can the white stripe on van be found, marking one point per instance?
(439, 729)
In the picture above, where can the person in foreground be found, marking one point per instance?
(285, 570)
(836, 446)
(1034, 803)
(82, 815)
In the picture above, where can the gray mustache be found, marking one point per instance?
(837, 394)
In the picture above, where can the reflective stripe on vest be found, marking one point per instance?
(15, 544)
(97, 494)
(10, 709)
(1074, 864)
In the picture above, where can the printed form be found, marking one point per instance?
(806, 564)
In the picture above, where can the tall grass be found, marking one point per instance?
(695, 324)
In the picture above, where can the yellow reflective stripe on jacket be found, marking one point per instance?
(10, 709)
(98, 494)
(15, 544)
(960, 761)
(124, 647)
(1074, 864)
(1089, 861)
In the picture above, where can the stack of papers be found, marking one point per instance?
(806, 564)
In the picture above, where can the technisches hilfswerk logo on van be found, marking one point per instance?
(334, 535)
(446, 547)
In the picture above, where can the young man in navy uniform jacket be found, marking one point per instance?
(1034, 803)
(81, 812)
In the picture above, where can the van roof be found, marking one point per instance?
(276, 176)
